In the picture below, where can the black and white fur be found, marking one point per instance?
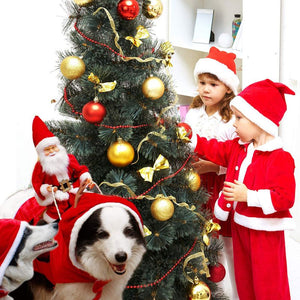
(36, 240)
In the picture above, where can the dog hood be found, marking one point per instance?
(11, 236)
(64, 268)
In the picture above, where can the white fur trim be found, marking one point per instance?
(212, 66)
(79, 222)
(267, 224)
(85, 176)
(53, 140)
(48, 196)
(12, 250)
(61, 196)
(254, 115)
(262, 199)
(220, 213)
(47, 218)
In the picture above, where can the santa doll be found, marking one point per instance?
(56, 175)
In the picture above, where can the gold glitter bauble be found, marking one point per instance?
(194, 181)
(72, 67)
(200, 291)
(152, 8)
(153, 88)
(83, 2)
(120, 153)
(162, 209)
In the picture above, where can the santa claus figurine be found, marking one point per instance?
(57, 174)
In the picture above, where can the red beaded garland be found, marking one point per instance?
(128, 9)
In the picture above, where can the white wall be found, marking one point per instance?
(31, 33)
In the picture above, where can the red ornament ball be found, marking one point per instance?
(187, 128)
(128, 9)
(217, 272)
(93, 112)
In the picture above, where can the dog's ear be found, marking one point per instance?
(27, 232)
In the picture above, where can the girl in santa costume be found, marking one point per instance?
(56, 175)
(210, 116)
(259, 190)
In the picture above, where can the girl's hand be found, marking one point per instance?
(236, 191)
(204, 166)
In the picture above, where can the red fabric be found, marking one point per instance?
(260, 264)
(39, 131)
(3, 293)
(265, 172)
(98, 287)
(266, 95)
(223, 57)
(30, 211)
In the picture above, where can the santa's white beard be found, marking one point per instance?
(57, 164)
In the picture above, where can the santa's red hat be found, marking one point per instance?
(42, 136)
(220, 64)
(11, 236)
(263, 103)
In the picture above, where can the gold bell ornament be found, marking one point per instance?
(194, 181)
(162, 209)
(120, 153)
(199, 291)
(153, 88)
(152, 8)
(72, 67)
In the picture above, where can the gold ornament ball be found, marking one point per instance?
(72, 67)
(152, 8)
(120, 153)
(200, 291)
(153, 88)
(83, 2)
(162, 209)
(194, 181)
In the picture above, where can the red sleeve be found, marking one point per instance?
(37, 179)
(76, 169)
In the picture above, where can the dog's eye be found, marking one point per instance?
(129, 231)
(103, 234)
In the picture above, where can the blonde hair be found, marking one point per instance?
(224, 105)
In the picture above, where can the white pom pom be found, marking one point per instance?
(225, 40)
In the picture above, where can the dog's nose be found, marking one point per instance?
(121, 256)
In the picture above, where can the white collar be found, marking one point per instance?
(216, 115)
(272, 145)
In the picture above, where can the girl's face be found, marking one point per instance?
(211, 91)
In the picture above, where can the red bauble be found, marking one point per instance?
(187, 128)
(217, 272)
(128, 9)
(93, 112)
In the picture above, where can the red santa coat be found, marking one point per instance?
(77, 173)
(269, 178)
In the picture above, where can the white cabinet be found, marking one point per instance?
(259, 58)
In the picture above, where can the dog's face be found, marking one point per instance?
(110, 243)
(36, 241)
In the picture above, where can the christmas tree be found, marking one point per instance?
(121, 121)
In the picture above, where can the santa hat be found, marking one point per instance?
(11, 236)
(263, 103)
(220, 64)
(74, 218)
(42, 136)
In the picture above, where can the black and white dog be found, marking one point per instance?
(101, 242)
(21, 244)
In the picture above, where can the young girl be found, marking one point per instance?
(210, 116)
(259, 190)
